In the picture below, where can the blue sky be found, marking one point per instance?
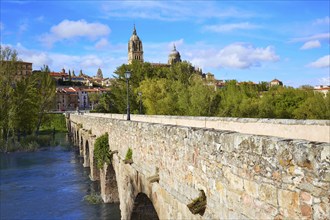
(243, 40)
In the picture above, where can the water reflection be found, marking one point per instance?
(48, 184)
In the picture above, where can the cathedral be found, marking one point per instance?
(135, 48)
(135, 51)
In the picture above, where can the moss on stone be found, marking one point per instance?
(198, 205)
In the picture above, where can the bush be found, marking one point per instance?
(102, 151)
(129, 154)
(93, 199)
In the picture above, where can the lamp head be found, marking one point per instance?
(128, 74)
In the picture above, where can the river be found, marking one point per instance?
(49, 184)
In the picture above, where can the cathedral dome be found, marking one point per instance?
(174, 56)
(174, 52)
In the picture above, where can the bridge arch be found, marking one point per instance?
(86, 154)
(81, 146)
(109, 187)
(143, 208)
(77, 138)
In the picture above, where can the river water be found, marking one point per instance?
(49, 184)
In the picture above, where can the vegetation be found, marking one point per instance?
(101, 151)
(128, 157)
(129, 154)
(93, 198)
(180, 90)
(54, 122)
(198, 205)
(24, 101)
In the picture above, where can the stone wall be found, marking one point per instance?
(312, 130)
(242, 175)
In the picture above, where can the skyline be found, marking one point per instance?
(247, 41)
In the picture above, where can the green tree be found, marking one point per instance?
(315, 106)
(70, 77)
(104, 103)
(45, 89)
(8, 70)
(201, 98)
(23, 112)
(94, 99)
(158, 96)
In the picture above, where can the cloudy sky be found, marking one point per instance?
(243, 40)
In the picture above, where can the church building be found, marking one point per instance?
(135, 52)
(135, 48)
(174, 56)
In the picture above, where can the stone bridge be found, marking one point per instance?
(210, 168)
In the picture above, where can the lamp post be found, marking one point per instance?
(140, 94)
(128, 76)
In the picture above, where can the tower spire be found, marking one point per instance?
(134, 30)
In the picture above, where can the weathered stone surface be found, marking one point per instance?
(243, 175)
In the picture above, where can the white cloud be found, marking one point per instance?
(323, 21)
(322, 36)
(177, 43)
(324, 81)
(38, 58)
(322, 62)
(71, 29)
(237, 55)
(170, 11)
(230, 27)
(311, 44)
(91, 61)
(102, 44)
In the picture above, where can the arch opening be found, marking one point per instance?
(86, 155)
(76, 139)
(81, 145)
(143, 208)
(109, 189)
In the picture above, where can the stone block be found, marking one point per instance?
(321, 210)
(268, 194)
(288, 202)
(251, 188)
(306, 198)
(234, 182)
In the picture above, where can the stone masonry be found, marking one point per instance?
(244, 176)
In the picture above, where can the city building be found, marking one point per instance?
(73, 98)
(174, 56)
(322, 89)
(22, 69)
(275, 82)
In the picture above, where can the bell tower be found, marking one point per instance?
(135, 49)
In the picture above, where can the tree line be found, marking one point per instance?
(180, 90)
(24, 100)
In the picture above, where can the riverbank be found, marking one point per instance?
(31, 143)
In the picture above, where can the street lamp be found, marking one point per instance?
(140, 94)
(128, 76)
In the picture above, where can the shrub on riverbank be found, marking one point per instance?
(28, 143)
(93, 198)
(54, 122)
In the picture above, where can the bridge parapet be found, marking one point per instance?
(242, 175)
(312, 130)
